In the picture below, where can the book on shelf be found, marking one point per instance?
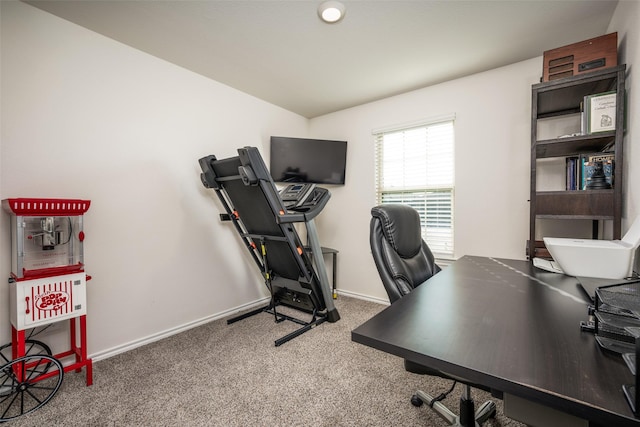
(583, 117)
(599, 113)
(588, 165)
(573, 173)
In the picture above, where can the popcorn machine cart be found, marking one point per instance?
(47, 285)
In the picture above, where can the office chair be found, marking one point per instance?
(404, 262)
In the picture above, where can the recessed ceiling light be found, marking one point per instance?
(331, 11)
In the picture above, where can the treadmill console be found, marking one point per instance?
(296, 195)
(303, 202)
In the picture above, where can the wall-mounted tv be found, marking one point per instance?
(318, 161)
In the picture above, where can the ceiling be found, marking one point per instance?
(281, 52)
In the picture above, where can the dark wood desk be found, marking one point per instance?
(511, 327)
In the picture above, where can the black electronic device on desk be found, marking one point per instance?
(616, 307)
(615, 321)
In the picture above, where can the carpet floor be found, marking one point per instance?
(233, 375)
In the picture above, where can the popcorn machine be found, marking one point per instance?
(47, 285)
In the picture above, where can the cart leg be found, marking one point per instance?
(83, 350)
(80, 350)
(74, 343)
(89, 368)
(17, 343)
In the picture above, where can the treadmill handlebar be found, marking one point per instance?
(208, 177)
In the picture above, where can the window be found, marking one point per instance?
(414, 166)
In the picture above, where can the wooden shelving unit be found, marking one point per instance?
(562, 98)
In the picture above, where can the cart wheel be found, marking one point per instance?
(27, 383)
(30, 347)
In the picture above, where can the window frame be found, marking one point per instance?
(429, 195)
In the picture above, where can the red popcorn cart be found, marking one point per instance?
(48, 284)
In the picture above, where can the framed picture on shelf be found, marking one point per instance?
(600, 111)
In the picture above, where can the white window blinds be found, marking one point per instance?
(415, 166)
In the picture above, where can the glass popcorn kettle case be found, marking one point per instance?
(46, 236)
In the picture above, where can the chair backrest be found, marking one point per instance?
(403, 259)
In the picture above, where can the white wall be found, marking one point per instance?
(492, 143)
(493, 114)
(86, 117)
(625, 21)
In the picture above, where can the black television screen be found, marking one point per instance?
(305, 160)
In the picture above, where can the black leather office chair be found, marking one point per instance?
(405, 262)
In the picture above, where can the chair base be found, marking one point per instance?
(485, 411)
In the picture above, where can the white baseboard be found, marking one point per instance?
(105, 354)
(363, 297)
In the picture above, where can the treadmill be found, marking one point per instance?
(295, 276)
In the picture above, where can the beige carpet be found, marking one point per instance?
(233, 375)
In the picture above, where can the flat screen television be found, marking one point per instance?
(318, 161)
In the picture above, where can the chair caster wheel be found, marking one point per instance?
(416, 401)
